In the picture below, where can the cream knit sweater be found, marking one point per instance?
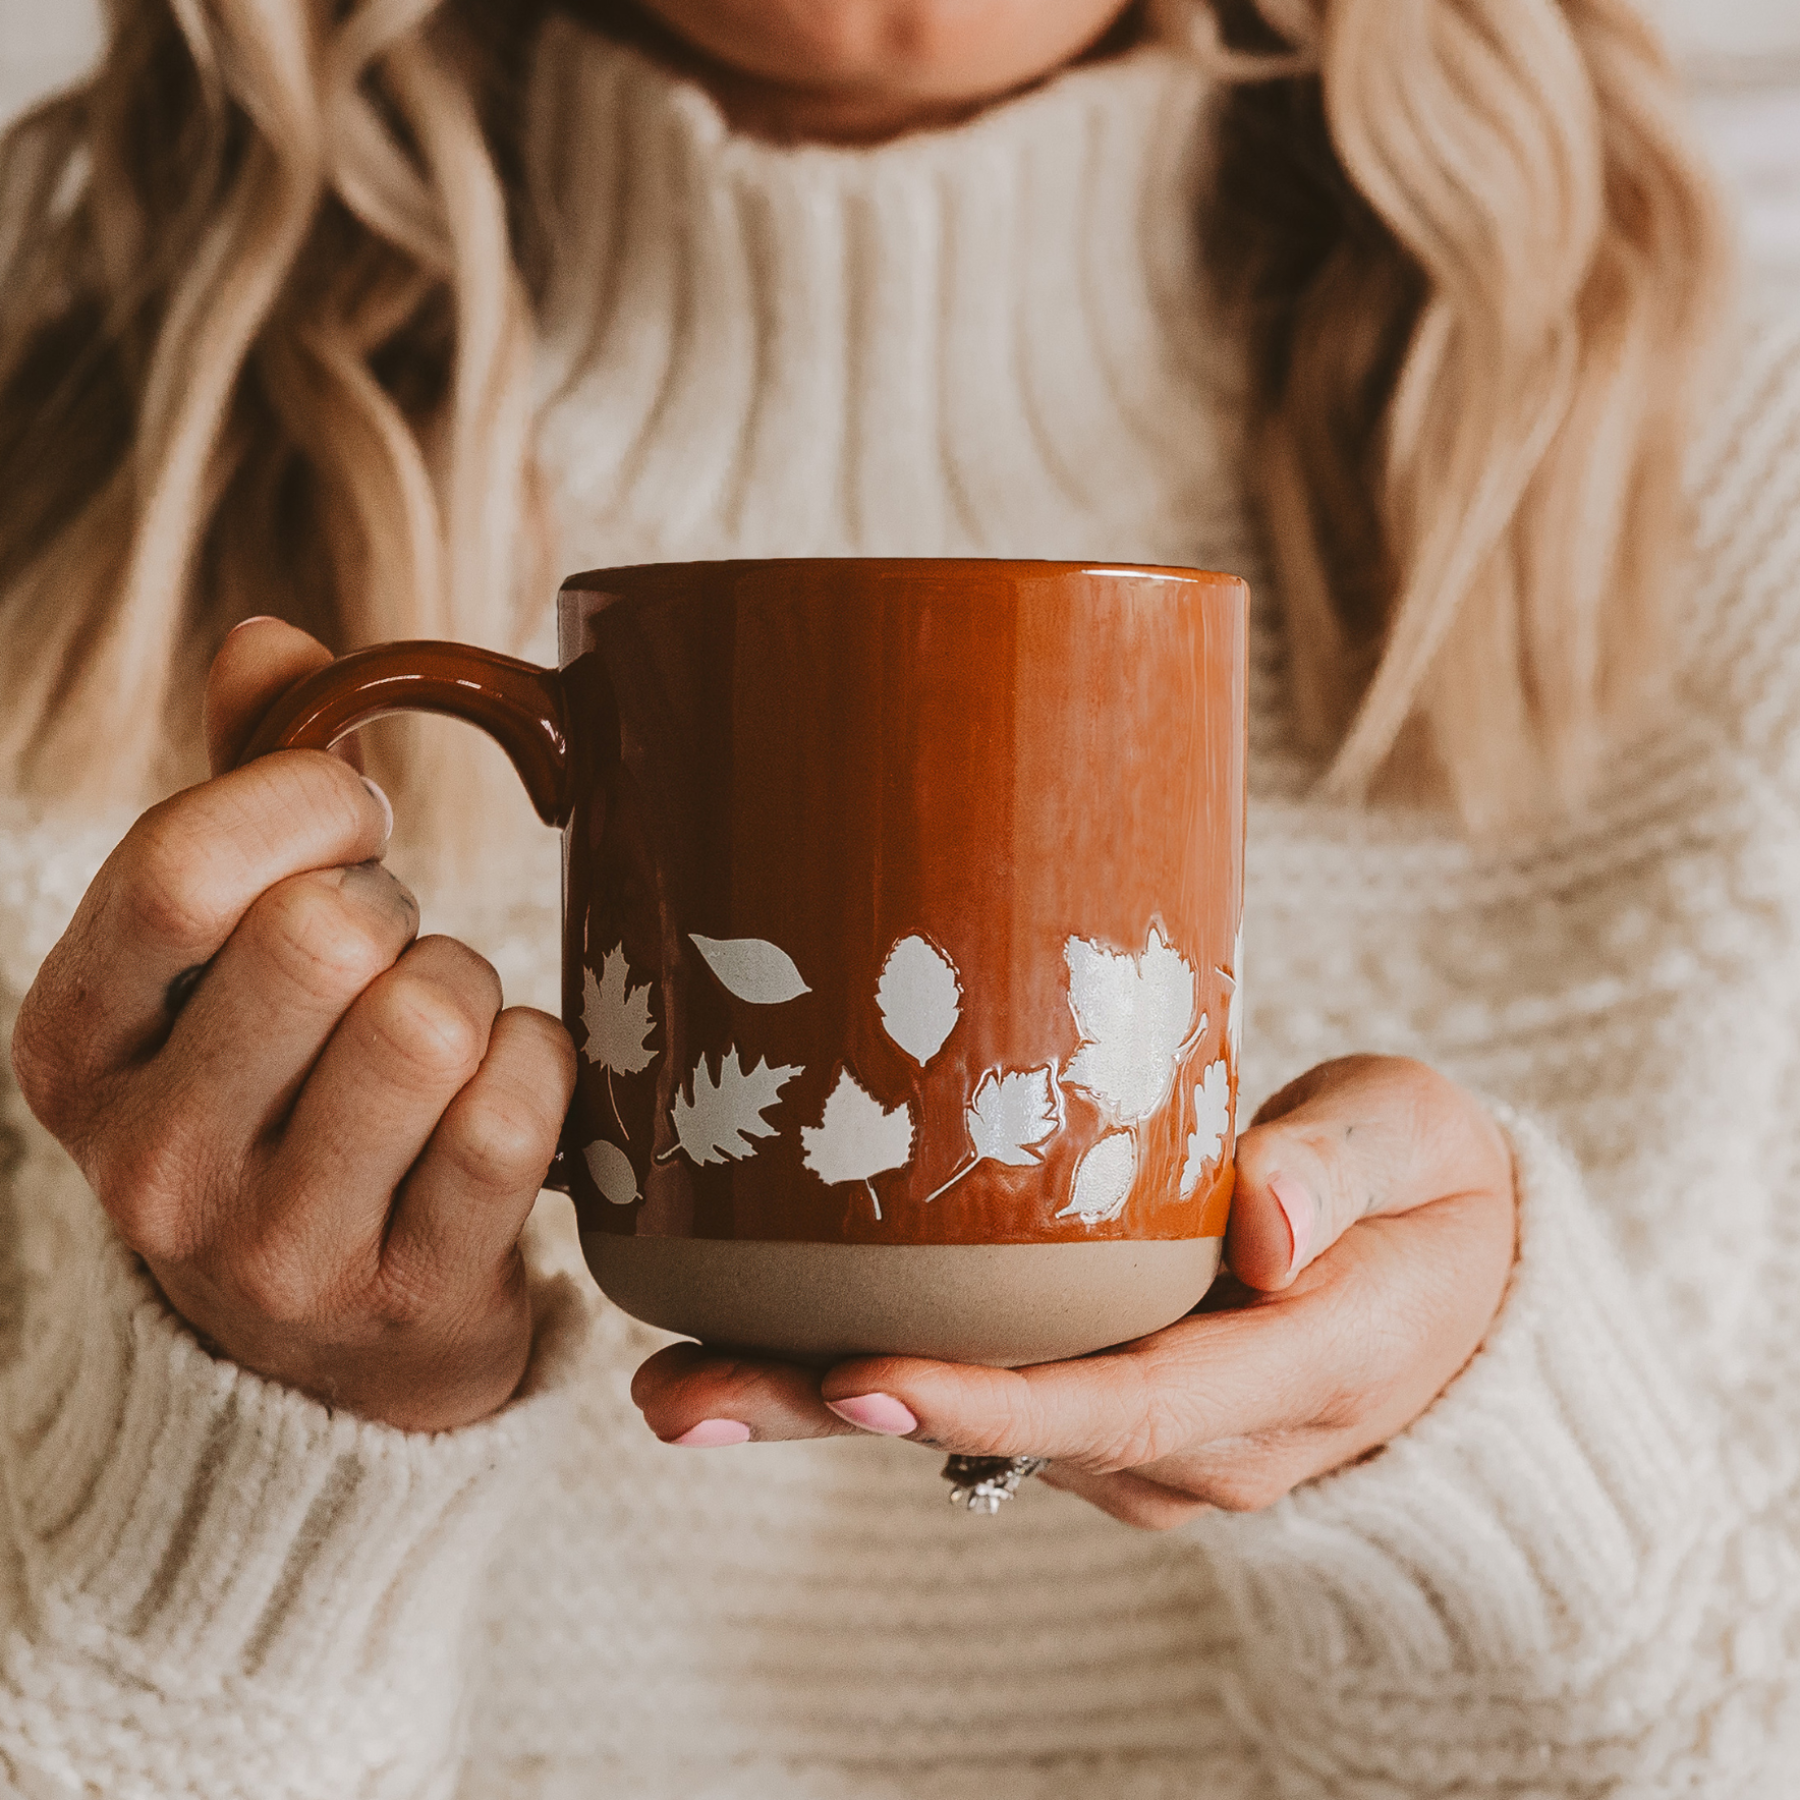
(1578, 1574)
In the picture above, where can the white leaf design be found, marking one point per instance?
(1234, 1014)
(723, 1108)
(920, 998)
(1212, 1120)
(616, 1017)
(857, 1137)
(1103, 1180)
(752, 968)
(1012, 1114)
(612, 1172)
(1135, 1014)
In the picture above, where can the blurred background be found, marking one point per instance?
(1742, 59)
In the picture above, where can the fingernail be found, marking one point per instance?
(1297, 1208)
(254, 619)
(714, 1434)
(387, 810)
(876, 1412)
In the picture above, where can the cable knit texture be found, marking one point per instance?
(1577, 1575)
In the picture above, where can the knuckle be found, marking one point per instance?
(407, 1294)
(1340, 1409)
(38, 1063)
(278, 1286)
(149, 1185)
(1156, 1509)
(1149, 1418)
(317, 940)
(502, 1141)
(1132, 1444)
(994, 1413)
(1255, 1487)
(539, 1043)
(436, 1032)
(302, 794)
(420, 1290)
(171, 886)
(451, 962)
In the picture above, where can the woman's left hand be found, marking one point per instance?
(1371, 1237)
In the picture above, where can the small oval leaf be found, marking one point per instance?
(752, 969)
(612, 1172)
(1103, 1180)
(920, 998)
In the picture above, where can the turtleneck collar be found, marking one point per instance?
(989, 339)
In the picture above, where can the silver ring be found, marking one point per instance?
(979, 1484)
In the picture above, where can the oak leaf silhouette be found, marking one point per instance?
(1212, 1120)
(721, 1111)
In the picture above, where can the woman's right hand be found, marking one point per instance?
(320, 1132)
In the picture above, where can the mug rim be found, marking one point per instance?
(585, 580)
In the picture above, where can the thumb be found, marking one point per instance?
(1352, 1139)
(258, 662)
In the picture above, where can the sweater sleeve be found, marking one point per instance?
(211, 1585)
(1523, 1583)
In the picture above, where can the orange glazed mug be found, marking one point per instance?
(901, 937)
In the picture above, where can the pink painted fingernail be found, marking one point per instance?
(387, 807)
(1297, 1208)
(876, 1412)
(714, 1434)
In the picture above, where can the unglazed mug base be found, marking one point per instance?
(1005, 1305)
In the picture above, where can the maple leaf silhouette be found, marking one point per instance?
(1136, 1014)
(1212, 1120)
(615, 1016)
(1013, 1112)
(722, 1110)
(857, 1138)
(920, 998)
(1103, 1180)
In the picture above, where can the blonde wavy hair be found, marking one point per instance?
(268, 289)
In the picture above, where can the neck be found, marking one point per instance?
(991, 341)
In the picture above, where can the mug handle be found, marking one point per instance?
(520, 706)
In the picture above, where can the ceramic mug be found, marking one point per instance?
(902, 931)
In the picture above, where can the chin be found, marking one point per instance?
(947, 51)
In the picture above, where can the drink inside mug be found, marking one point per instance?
(902, 937)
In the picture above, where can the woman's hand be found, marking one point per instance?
(1371, 1237)
(321, 1133)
